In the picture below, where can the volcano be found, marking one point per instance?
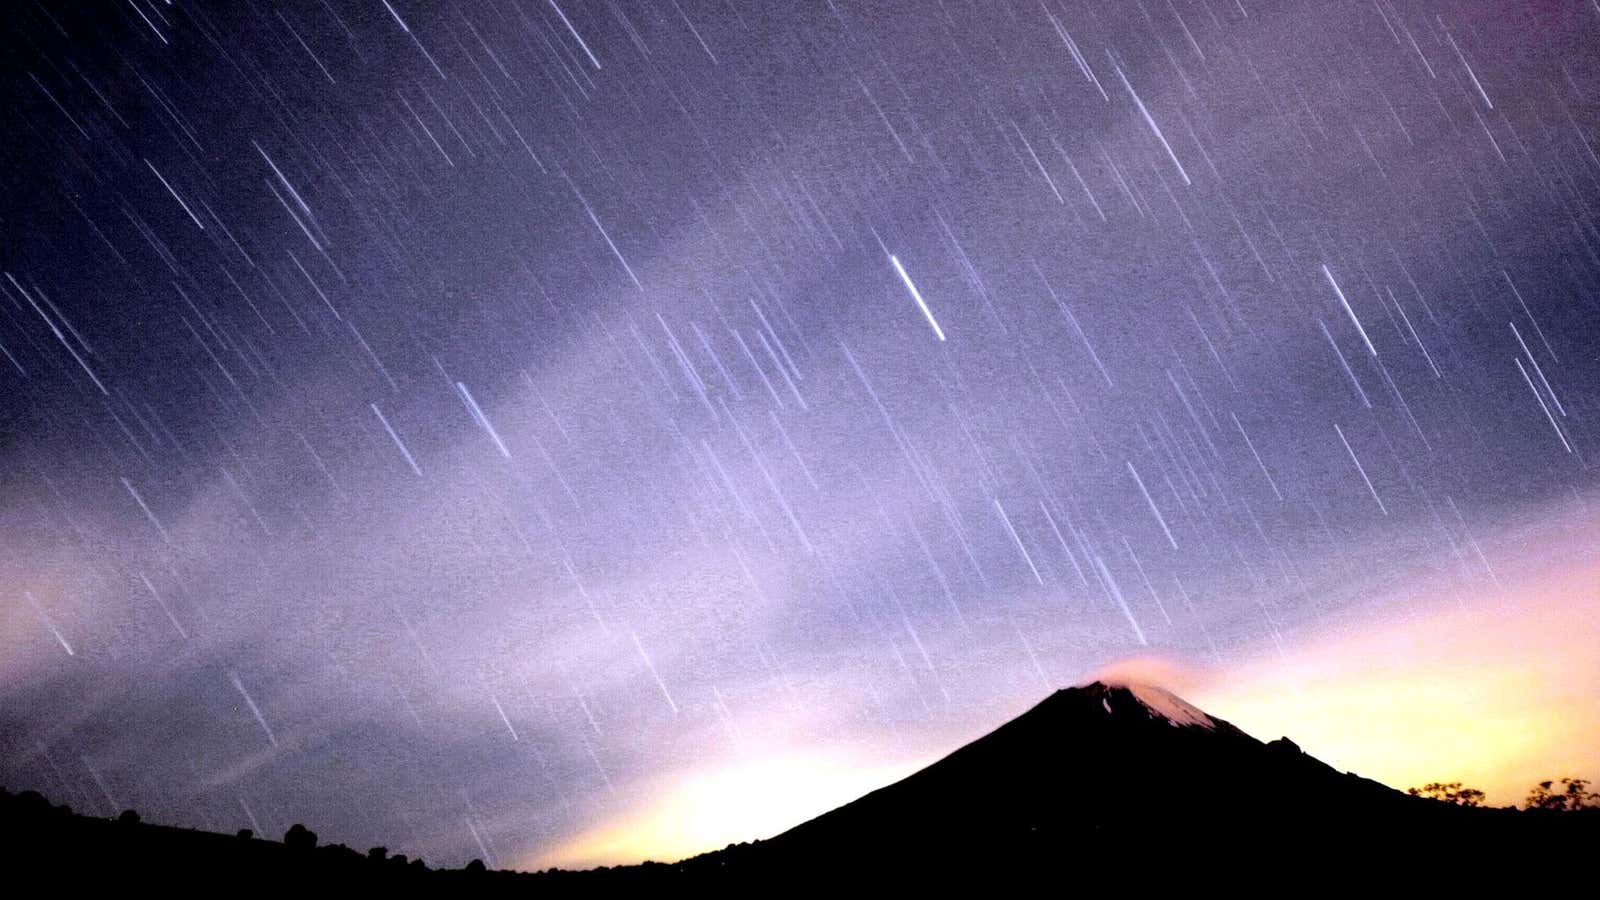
(1130, 775)
(1112, 766)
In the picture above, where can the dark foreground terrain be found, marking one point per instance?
(1097, 785)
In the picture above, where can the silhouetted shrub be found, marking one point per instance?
(128, 817)
(245, 834)
(378, 854)
(1449, 792)
(476, 867)
(300, 837)
(1573, 796)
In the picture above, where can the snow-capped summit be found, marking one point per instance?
(1157, 702)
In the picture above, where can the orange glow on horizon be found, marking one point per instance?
(1496, 695)
(709, 810)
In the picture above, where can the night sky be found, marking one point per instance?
(447, 424)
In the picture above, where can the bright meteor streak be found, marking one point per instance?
(917, 296)
(1351, 312)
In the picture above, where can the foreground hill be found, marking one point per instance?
(1096, 782)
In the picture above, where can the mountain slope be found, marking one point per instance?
(1125, 773)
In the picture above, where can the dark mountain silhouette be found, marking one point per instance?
(1133, 775)
(1099, 782)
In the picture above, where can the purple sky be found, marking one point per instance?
(441, 423)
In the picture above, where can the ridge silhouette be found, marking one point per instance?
(1119, 779)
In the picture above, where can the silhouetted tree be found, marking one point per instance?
(377, 854)
(300, 837)
(245, 834)
(1449, 792)
(1574, 794)
(128, 817)
(476, 867)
